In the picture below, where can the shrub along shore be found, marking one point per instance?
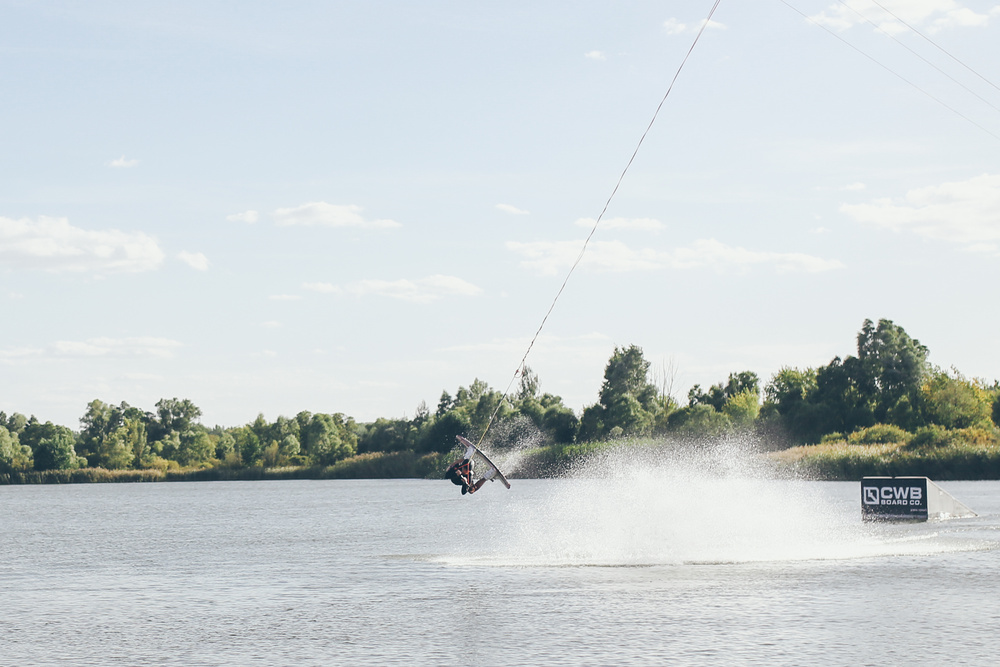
(968, 454)
(886, 411)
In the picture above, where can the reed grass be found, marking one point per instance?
(81, 476)
(959, 455)
(972, 454)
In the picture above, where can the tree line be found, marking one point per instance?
(888, 387)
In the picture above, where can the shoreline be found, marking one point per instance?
(834, 461)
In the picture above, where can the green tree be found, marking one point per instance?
(628, 402)
(52, 446)
(288, 448)
(194, 446)
(225, 447)
(718, 394)
(843, 398)
(135, 438)
(330, 438)
(528, 384)
(789, 388)
(560, 423)
(15, 423)
(168, 447)
(440, 434)
(115, 451)
(97, 424)
(174, 415)
(112, 436)
(892, 365)
(627, 374)
(788, 394)
(743, 408)
(715, 397)
(699, 421)
(591, 423)
(247, 445)
(445, 403)
(881, 385)
(952, 401)
(13, 455)
(483, 407)
(388, 435)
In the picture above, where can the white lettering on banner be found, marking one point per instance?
(892, 495)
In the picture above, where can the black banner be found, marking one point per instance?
(894, 498)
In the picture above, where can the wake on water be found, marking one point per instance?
(672, 505)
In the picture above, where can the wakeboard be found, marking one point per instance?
(486, 460)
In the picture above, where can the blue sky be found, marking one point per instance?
(352, 206)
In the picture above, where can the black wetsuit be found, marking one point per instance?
(459, 472)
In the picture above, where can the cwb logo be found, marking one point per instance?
(893, 495)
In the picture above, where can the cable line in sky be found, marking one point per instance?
(891, 71)
(597, 222)
(893, 38)
(934, 44)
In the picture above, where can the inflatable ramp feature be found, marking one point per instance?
(908, 499)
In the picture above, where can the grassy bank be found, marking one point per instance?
(846, 461)
(940, 454)
(376, 465)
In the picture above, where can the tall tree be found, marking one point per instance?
(13, 455)
(175, 416)
(627, 401)
(52, 446)
(330, 438)
(893, 365)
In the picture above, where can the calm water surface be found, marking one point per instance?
(647, 570)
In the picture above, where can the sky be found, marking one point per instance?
(354, 206)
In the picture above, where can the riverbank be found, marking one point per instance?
(842, 461)
(969, 458)
(376, 465)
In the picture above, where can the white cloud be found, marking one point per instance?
(513, 210)
(328, 215)
(421, 290)
(122, 163)
(965, 212)
(248, 217)
(934, 15)
(271, 324)
(675, 27)
(143, 377)
(595, 55)
(148, 346)
(55, 245)
(546, 342)
(853, 187)
(962, 17)
(642, 224)
(12, 355)
(195, 260)
(709, 253)
(549, 258)
(327, 288)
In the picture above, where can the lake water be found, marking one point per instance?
(652, 567)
